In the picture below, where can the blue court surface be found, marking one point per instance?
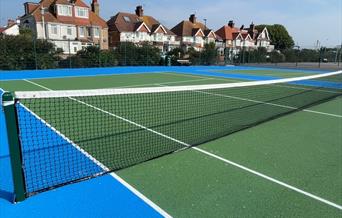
(109, 195)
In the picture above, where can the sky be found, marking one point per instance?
(306, 20)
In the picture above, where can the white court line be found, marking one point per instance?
(197, 76)
(174, 82)
(237, 80)
(267, 103)
(220, 158)
(271, 104)
(146, 84)
(114, 175)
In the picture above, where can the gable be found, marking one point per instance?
(50, 14)
(143, 28)
(212, 35)
(160, 29)
(237, 36)
(264, 34)
(187, 28)
(248, 37)
(199, 33)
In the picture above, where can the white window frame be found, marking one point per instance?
(64, 10)
(54, 29)
(81, 31)
(69, 28)
(81, 9)
(96, 32)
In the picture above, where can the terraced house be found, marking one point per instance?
(249, 38)
(139, 28)
(192, 33)
(70, 24)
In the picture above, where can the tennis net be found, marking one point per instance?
(68, 136)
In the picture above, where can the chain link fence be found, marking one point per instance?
(24, 52)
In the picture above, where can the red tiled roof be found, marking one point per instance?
(126, 22)
(186, 28)
(2, 29)
(236, 35)
(50, 15)
(226, 32)
(31, 6)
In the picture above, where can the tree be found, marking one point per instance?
(176, 54)
(26, 52)
(131, 54)
(195, 57)
(209, 54)
(279, 35)
(256, 56)
(277, 57)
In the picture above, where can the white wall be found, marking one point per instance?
(61, 31)
(13, 30)
(134, 37)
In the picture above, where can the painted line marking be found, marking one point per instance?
(114, 175)
(222, 159)
(237, 80)
(271, 104)
(267, 103)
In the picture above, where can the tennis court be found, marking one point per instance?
(287, 167)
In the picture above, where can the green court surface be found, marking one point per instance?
(265, 72)
(278, 74)
(254, 172)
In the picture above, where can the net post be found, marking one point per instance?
(8, 102)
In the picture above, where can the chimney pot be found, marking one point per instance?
(10, 22)
(95, 7)
(231, 23)
(192, 18)
(252, 26)
(139, 11)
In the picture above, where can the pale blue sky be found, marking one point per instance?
(306, 20)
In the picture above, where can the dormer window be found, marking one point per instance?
(82, 12)
(64, 10)
(127, 20)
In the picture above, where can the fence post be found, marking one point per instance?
(14, 146)
(35, 51)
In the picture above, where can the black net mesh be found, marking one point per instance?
(67, 139)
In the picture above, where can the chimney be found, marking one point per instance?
(139, 11)
(10, 22)
(192, 18)
(242, 27)
(95, 7)
(252, 26)
(231, 23)
(251, 30)
(26, 6)
(29, 7)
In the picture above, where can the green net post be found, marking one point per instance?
(14, 146)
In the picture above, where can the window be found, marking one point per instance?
(54, 29)
(127, 20)
(89, 31)
(82, 12)
(82, 31)
(64, 10)
(96, 32)
(69, 31)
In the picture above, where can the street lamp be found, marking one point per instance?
(297, 47)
